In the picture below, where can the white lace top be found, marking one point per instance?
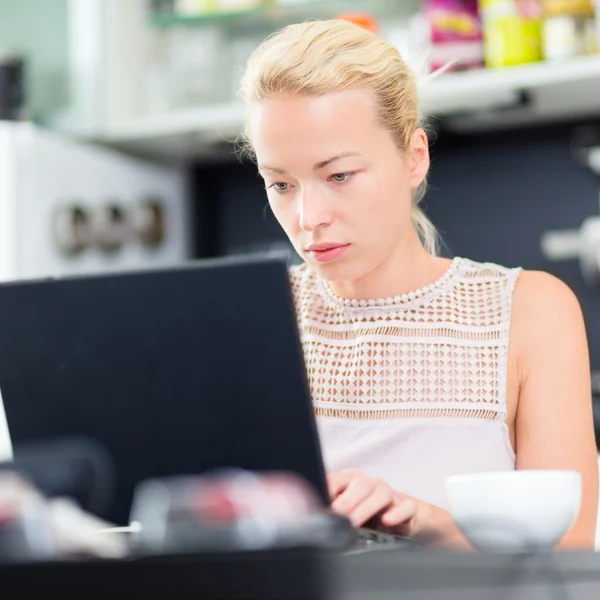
(412, 388)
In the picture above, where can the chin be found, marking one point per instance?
(343, 270)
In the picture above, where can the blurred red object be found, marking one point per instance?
(230, 496)
(455, 34)
(363, 20)
(231, 510)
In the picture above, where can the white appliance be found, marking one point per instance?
(68, 207)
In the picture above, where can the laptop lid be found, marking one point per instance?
(176, 371)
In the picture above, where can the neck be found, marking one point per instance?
(408, 268)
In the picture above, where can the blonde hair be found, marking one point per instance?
(321, 57)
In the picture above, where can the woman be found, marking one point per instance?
(420, 367)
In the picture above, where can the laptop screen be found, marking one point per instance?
(177, 371)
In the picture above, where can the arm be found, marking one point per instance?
(554, 422)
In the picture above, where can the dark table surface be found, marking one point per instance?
(433, 575)
(410, 575)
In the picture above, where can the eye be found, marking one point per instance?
(342, 177)
(280, 186)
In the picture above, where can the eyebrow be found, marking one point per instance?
(317, 167)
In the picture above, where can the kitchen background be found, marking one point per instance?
(117, 119)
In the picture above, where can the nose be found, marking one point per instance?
(314, 210)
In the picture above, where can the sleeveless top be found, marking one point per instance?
(411, 389)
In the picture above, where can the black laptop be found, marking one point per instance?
(175, 371)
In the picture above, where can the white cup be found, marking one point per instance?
(515, 511)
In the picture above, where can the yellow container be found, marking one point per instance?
(512, 32)
(554, 8)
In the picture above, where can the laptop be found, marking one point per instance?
(174, 371)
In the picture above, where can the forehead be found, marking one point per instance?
(286, 126)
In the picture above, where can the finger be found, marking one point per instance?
(379, 499)
(357, 491)
(401, 513)
(339, 481)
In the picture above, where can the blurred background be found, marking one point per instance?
(117, 119)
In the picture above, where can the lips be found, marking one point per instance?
(327, 251)
(324, 246)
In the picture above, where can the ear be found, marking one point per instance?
(418, 158)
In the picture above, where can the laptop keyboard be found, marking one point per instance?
(371, 540)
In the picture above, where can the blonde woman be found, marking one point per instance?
(420, 367)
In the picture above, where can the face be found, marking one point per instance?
(336, 180)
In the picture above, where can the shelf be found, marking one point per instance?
(274, 13)
(182, 135)
(454, 88)
(168, 20)
(484, 99)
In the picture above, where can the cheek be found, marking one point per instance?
(381, 203)
(371, 198)
(284, 211)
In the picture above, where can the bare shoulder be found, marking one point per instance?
(546, 313)
(540, 297)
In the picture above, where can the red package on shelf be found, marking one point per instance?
(455, 34)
